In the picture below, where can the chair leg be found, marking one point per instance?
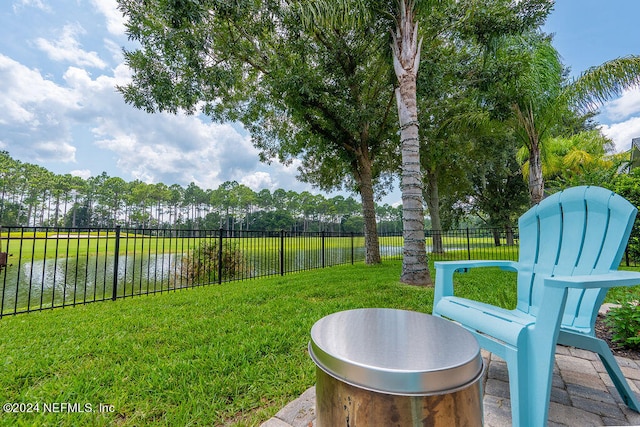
(518, 390)
(528, 388)
(530, 367)
(618, 378)
(600, 347)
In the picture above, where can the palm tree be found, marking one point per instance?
(584, 158)
(400, 17)
(406, 58)
(536, 102)
(543, 97)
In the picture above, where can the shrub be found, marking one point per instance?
(628, 186)
(624, 322)
(202, 264)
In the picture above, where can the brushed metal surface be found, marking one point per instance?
(395, 351)
(342, 404)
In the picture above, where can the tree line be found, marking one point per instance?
(33, 196)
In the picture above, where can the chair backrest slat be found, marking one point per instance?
(581, 230)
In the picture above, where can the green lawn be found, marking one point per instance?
(72, 246)
(232, 354)
(220, 355)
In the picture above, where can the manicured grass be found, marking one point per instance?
(221, 355)
(232, 354)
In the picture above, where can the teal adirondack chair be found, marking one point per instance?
(571, 244)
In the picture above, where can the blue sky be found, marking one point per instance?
(590, 32)
(61, 59)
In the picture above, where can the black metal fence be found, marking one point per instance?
(45, 268)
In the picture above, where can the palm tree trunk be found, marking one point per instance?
(536, 182)
(527, 120)
(406, 58)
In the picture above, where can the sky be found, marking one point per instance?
(588, 33)
(60, 61)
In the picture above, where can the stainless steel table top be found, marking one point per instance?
(396, 351)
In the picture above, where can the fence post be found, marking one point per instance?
(352, 248)
(220, 243)
(322, 249)
(116, 261)
(626, 254)
(282, 252)
(468, 245)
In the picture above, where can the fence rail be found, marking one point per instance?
(45, 268)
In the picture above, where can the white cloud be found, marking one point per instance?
(82, 173)
(171, 148)
(26, 94)
(69, 111)
(68, 48)
(84, 120)
(61, 150)
(34, 124)
(80, 80)
(624, 107)
(622, 133)
(115, 19)
(115, 49)
(150, 147)
(38, 4)
(259, 180)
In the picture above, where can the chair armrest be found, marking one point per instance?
(555, 294)
(445, 270)
(474, 263)
(606, 280)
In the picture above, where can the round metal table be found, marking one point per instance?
(391, 367)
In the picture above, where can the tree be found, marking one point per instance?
(193, 199)
(389, 218)
(457, 40)
(272, 220)
(499, 192)
(226, 200)
(541, 97)
(406, 59)
(318, 92)
(175, 198)
(111, 195)
(161, 195)
(584, 158)
(8, 168)
(37, 181)
(628, 186)
(246, 199)
(535, 104)
(61, 190)
(49, 199)
(137, 200)
(405, 53)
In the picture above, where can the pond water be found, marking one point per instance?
(67, 281)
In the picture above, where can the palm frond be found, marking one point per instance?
(333, 13)
(599, 84)
(478, 120)
(543, 79)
